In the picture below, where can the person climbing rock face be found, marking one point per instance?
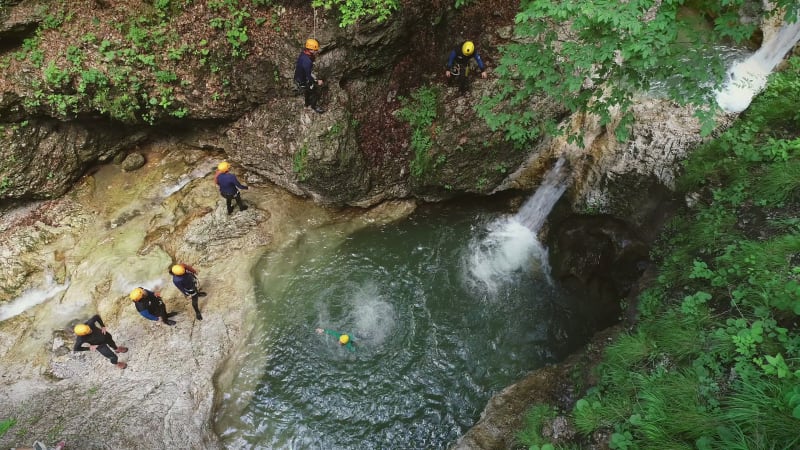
(151, 306)
(184, 277)
(304, 79)
(229, 187)
(458, 64)
(98, 339)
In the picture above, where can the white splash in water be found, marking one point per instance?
(511, 244)
(373, 317)
(747, 78)
(32, 297)
(504, 251)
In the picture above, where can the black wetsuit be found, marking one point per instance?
(152, 307)
(229, 187)
(105, 344)
(305, 80)
(187, 284)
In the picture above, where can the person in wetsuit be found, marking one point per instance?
(343, 339)
(184, 277)
(151, 306)
(304, 78)
(229, 187)
(457, 66)
(98, 339)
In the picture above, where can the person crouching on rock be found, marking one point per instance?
(98, 339)
(184, 277)
(151, 306)
(229, 187)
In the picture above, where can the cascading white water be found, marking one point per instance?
(534, 212)
(747, 78)
(199, 172)
(48, 290)
(511, 243)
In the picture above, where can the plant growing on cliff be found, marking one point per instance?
(233, 25)
(420, 112)
(596, 56)
(352, 10)
(535, 419)
(5, 424)
(299, 161)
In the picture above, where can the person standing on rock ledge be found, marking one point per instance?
(458, 64)
(229, 187)
(151, 306)
(184, 277)
(98, 339)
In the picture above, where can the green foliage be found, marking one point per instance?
(420, 112)
(176, 54)
(299, 161)
(352, 10)
(55, 76)
(5, 185)
(55, 20)
(762, 409)
(36, 57)
(75, 55)
(595, 56)
(5, 424)
(128, 82)
(621, 439)
(536, 417)
(232, 23)
(163, 8)
(597, 411)
(166, 76)
(92, 78)
(714, 362)
(462, 3)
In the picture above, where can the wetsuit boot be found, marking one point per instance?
(196, 308)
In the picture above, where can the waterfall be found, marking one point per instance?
(534, 212)
(511, 244)
(747, 78)
(199, 172)
(32, 297)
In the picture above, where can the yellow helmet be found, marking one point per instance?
(312, 44)
(468, 48)
(344, 339)
(137, 294)
(82, 329)
(178, 270)
(223, 166)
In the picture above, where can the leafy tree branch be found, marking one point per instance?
(595, 56)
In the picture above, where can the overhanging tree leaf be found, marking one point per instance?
(595, 56)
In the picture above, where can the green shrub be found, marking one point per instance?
(299, 161)
(420, 113)
(535, 418)
(55, 76)
(5, 424)
(352, 10)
